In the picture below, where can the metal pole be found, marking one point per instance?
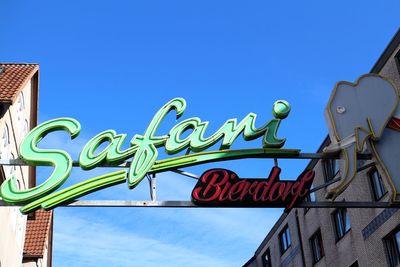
(127, 163)
(190, 204)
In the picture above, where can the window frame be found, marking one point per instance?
(308, 198)
(20, 110)
(5, 143)
(264, 262)
(372, 184)
(341, 231)
(318, 237)
(391, 245)
(397, 61)
(284, 236)
(329, 166)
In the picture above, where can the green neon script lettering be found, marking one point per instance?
(144, 147)
(142, 150)
(33, 155)
(146, 155)
(88, 159)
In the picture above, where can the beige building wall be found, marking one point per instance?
(14, 125)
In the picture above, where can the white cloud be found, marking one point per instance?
(246, 224)
(82, 242)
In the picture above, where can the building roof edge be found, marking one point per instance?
(390, 48)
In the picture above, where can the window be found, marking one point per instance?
(316, 246)
(331, 168)
(310, 197)
(25, 128)
(397, 59)
(392, 243)
(342, 222)
(21, 103)
(266, 259)
(376, 183)
(284, 239)
(13, 168)
(20, 112)
(5, 143)
(354, 264)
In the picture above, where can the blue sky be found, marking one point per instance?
(112, 65)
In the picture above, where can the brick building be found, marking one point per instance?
(345, 237)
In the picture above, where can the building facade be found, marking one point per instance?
(345, 237)
(18, 115)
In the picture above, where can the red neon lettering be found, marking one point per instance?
(220, 187)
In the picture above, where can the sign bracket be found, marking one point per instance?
(153, 186)
(366, 166)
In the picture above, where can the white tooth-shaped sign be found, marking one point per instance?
(360, 112)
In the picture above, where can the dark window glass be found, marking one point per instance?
(266, 259)
(316, 246)
(376, 183)
(354, 264)
(342, 222)
(392, 242)
(331, 168)
(284, 239)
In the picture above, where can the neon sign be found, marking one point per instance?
(142, 152)
(221, 187)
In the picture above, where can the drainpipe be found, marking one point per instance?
(300, 239)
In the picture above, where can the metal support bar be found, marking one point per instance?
(190, 204)
(188, 174)
(338, 179)
(361, 156)
(366, 166)
(19, 162)
(153, 186)
(127, 163)
(132, 203)
(348, 204)
(275, 162)
(324, 185)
